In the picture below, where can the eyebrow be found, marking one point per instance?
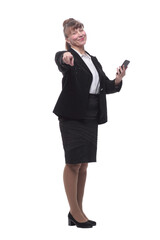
(74, 29)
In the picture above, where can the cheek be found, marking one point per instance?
(75, 37)
(84, 33)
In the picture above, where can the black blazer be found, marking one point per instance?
(76, 82)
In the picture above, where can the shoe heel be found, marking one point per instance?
(70, 223)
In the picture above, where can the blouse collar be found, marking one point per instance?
(82, 55)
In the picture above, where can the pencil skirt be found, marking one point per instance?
(79, 137)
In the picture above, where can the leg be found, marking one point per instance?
(70, 176)
(81, 185)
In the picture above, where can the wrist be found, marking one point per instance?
(117, 81)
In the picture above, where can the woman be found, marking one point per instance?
(80, 108)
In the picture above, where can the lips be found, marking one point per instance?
(82, 39)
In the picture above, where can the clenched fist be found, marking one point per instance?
(68, 58)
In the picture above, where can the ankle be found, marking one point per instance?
(78, 215)
(84, 215)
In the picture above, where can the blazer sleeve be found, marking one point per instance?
(110, 86)
(63, 67)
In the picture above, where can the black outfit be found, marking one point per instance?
(80, 136)
(79, 112)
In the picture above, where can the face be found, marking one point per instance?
(77, 37)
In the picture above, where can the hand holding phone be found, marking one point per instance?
(125, 64)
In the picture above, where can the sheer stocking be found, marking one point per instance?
(74, 177)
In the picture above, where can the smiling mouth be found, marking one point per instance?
(81, 39)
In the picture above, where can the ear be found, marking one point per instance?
(68, 41)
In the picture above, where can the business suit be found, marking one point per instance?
(73, 100)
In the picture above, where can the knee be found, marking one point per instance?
(74, 167)
(83, 167)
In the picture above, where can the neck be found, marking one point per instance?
(79, 49)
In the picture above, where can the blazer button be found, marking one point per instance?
(101, 89)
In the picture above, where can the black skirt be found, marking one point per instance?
(79, 137)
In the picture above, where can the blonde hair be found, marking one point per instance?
(68, 25)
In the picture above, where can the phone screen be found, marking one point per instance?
(125, 63)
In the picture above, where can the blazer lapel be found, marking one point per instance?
(80, 60)
(83, 64)
(94, 60)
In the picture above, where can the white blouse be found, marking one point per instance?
(95, 85)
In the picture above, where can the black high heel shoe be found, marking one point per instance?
(93, 223)
(73, 222)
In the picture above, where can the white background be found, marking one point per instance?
(122, 190)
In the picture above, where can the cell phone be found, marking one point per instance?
(125, 63)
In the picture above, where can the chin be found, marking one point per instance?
(82, 44)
